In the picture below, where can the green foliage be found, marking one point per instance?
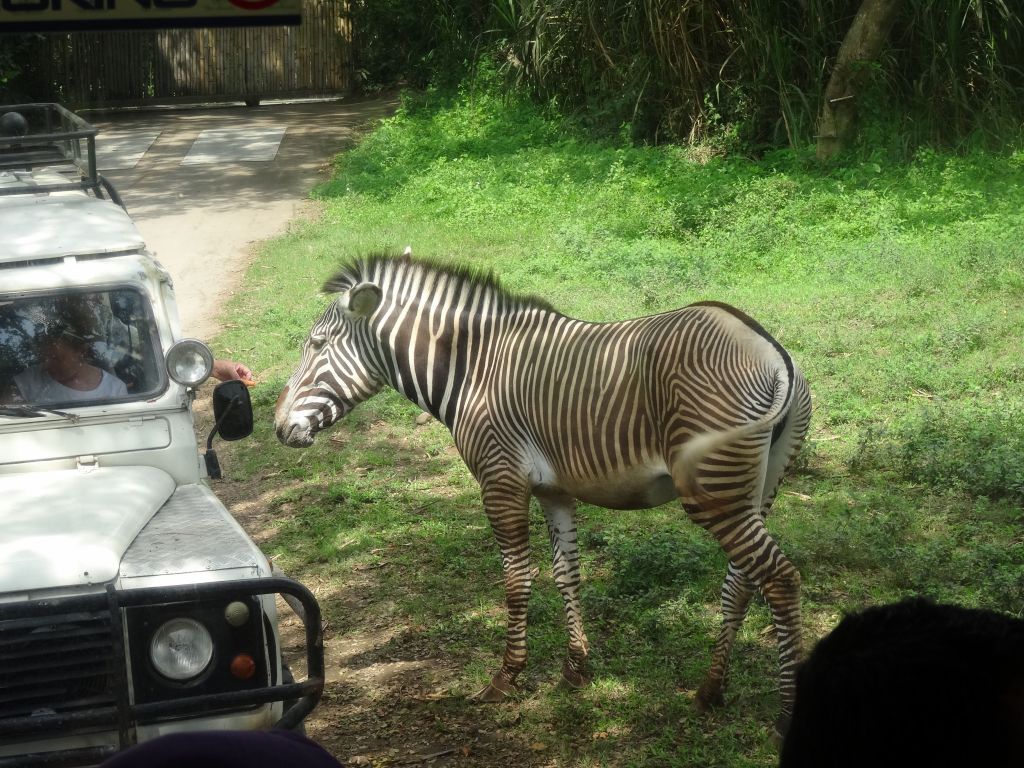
(973, 447)
(413, 42)
(730, 74)
(14, 50)
(665, 562)
(892, 285)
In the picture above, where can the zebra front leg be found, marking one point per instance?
(560, 513)
(737, 590)
(510, 521)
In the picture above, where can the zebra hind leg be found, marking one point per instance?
(731, 511)
(756, 555)
(737, 590)
(560, 513)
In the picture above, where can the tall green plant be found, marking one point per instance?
(750, 71)
(407, 41)
(964, 65)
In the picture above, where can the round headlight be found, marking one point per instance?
(181, 649)
(189, 362)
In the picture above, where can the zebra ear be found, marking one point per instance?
(364, 299)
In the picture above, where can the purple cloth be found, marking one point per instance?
(225, 749)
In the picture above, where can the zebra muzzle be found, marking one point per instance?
(295, 435)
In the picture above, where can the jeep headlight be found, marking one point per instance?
(189, 362)
(181, 649)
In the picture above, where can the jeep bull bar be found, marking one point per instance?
(95, 624)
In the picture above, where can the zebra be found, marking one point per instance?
(699, 404)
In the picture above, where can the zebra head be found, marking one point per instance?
(335, 373)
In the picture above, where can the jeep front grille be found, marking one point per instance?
(56, 664)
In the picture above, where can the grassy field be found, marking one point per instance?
(898, 290)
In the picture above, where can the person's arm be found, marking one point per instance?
(228, 370)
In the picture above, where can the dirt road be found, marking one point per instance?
(205, 184)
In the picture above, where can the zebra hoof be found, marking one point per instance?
(709, 696)
(575, 679)
(495, 692)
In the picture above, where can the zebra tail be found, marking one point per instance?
(701, 446)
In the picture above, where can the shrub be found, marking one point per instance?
(977, 448)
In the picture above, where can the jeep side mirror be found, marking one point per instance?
(232, 413)
(232, 410)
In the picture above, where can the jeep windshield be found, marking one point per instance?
(68, 349)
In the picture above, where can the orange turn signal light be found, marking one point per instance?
(243, 666)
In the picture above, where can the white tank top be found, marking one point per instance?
(37, 386)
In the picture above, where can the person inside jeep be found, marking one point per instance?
(80, 348)
(65, 374)
(77, 348)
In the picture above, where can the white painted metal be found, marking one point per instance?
(118, 493)
(71, 527)
(57, 224)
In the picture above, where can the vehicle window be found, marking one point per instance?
(78, 348)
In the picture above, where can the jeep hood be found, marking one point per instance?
(70, 527)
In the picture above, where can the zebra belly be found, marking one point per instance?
(628, 490)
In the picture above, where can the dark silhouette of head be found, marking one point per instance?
(72, 321)
(13, 124)
(912, 684)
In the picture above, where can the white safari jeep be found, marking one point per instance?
(131, 602)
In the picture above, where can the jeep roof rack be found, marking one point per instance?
(49, 135)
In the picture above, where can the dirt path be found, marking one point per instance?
(203, 185)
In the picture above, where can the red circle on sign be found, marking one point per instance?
(253, 5)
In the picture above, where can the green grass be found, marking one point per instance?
(898, 290)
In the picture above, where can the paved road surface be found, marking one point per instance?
(204, 184)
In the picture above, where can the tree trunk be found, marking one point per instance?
(863, 44)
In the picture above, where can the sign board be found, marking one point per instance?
(74, 15)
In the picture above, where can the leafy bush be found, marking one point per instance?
(414, 42)
(14, 51)
(977, 448)
(734, 76)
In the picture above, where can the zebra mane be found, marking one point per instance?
(374, 266)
